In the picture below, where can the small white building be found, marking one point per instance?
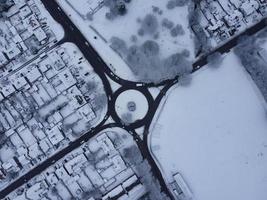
(182, 191)
(12, 52)
(3, 59)
(55, 136)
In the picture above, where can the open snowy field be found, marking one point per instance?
(214, 133)
(169, 30)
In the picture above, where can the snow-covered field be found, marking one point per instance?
(100, 30)
(214, 133)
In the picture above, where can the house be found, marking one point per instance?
(45, 145)
(2, 174)
(32, 73)
(37, 190)
(19, 3)
(34, 151)
(130, 181)
(10, 166)
(55, 136)
(67, 80)
(3, 59)
(113, 193)
(86, 112)
(31, 23)
(1, 96)
(56, 60)
(74, 164)
(40, 34)
(62, 174)
(51, 178)
(249, 7)
(182, 191)
(7, 88)
(23, 160)
(117, 165)
(18, 81)
(25, 11)
(106, 143)
(26, 135)
(74, 188)
(12, 51)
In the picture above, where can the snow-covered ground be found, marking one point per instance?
(214, 133)
(100, 30)
(131, 106)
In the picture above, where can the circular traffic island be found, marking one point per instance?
(131, 106)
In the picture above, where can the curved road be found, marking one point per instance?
(72, 34)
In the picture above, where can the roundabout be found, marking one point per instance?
(131, 106)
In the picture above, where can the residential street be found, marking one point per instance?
(72, 34)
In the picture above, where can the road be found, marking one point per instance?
(226, 47)
(50, 161)
(72, 34)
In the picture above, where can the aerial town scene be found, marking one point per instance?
(133, 99)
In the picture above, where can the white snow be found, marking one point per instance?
(6, 153)
(214, 133)
(132, 96)
(126, 26)
(100, 30)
